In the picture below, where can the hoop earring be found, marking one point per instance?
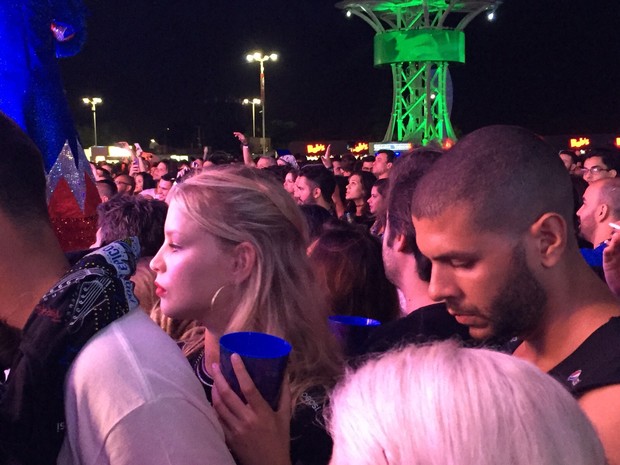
(217, 293)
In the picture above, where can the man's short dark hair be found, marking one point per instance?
(569, 153)
(506, 176)
(404, 178)
(390, 154)
(106, 187)
(610, 157)
(22, 176)
(322, 178)
(133, 215)
(347, 162)
(170, 177)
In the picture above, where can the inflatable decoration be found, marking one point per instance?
(33, 35)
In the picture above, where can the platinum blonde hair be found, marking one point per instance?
(445, 405)
(238, 204)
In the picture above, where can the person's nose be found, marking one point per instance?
(157, 262)
(441, 286)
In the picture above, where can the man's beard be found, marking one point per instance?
(10, 338)
(518, 308)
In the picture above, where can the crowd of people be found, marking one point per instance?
(492, 268)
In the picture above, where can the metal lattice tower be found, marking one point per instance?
(413, 38)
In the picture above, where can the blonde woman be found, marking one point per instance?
(234, 260)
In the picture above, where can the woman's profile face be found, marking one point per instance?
(355, 190)
(191, 266)
(376, 202)
(289, 183)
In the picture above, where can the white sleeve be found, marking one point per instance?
(148, 436)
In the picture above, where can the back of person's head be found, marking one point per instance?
(106, 188)
(442, 404)
(219, 157)
(347, 261)
(264, 161)
(133, 215)
(347, 162)
(404, 178)
(22, 177)
(103, 173)
(238, 204)
(570, 154)
(279, 172)
(322, 178)
(506, 177)
(170, 177)
(316, 217)
(609, 194)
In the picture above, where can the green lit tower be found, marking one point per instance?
(418, 39)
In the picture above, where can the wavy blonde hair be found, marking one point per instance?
(280, 296)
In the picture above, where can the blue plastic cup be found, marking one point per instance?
(265, 358)
(352, 332)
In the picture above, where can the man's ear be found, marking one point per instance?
(244, 259)
(316, 192)
(549, 233)
(613, 173)
(602, 212)
(400, 243)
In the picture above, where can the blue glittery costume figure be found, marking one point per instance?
(33, 34)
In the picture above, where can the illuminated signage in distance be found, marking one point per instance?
(395, 146)
(360, 147)
(618, 142)
(578, 143)
(315, 148)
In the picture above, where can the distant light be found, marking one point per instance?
(256, 101)
(257, 55)
(250, 58)
(273, 56)
(92, 101)
(348, 13)
(491, 14)
(246, 101)
(433, 96)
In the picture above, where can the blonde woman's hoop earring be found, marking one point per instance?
(217, 293)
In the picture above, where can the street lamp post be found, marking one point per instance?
(253, 102)
(93, 102)
(261, 59)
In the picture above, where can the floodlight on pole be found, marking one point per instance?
(93, 102)
(253, 102)
(261, 59)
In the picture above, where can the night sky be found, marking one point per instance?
(552, 66)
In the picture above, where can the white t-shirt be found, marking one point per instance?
(131, 398)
